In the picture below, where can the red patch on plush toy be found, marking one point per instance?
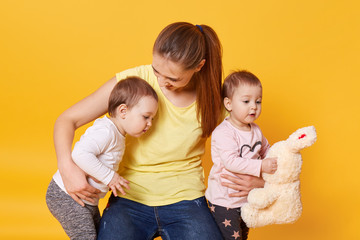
(302, 136)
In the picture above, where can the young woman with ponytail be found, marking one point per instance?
(166, 195)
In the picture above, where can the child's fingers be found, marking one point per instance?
(121, 190)
(275, 165)
(125, 185)
(113, 189)
(116, 183)
(124, 182)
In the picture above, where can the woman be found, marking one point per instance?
(166, 195)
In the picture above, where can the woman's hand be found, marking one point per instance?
(76, 185)
(243, 183)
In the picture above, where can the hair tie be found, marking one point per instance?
(200, 27)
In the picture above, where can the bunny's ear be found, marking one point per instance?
(302, 138)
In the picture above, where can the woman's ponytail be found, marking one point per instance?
(188, 45)
(208, 89)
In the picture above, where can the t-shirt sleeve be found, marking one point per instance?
(145, 72)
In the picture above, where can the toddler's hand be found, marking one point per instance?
(116, 182)
(269, 165)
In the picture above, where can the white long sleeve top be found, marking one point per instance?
(98, 152)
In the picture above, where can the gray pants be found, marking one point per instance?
(79, 223)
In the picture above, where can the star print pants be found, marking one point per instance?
(230, 223)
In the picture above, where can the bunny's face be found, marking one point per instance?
(288, 155)
(302, 138)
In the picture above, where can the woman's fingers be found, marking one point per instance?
(84, 195)
(242, 184)
(241, 191)
(77, 199)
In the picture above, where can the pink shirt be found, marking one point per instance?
(234, 151)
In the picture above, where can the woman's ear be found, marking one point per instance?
(122, 110)
(227, 104)
(200, 65)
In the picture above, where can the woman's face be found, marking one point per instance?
(171, 75)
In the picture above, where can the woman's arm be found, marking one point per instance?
(243, 183)
(85, 111)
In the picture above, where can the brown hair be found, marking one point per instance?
(188, 45)
(233, 80)
(129, 91)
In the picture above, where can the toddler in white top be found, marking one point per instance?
(237, 146)
(132, 106)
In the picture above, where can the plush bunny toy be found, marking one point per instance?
(279, 201)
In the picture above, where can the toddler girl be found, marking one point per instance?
(132, 106)
(237, 146)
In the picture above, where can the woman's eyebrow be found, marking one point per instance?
(154, 69)
(170, 78)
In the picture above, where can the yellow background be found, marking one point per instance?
(53, 53)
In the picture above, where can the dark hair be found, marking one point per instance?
(188, 45)
(129, 91)
(233, 80)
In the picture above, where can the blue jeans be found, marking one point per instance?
(185, 220)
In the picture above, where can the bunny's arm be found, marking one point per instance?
(263, 197)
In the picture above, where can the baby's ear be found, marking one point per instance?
(302, 138)
(121, 110)
(227, 104)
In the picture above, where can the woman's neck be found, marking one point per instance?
(182, 98)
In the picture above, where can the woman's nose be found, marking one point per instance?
(164, 83)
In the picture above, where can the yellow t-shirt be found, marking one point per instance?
(164, 165)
